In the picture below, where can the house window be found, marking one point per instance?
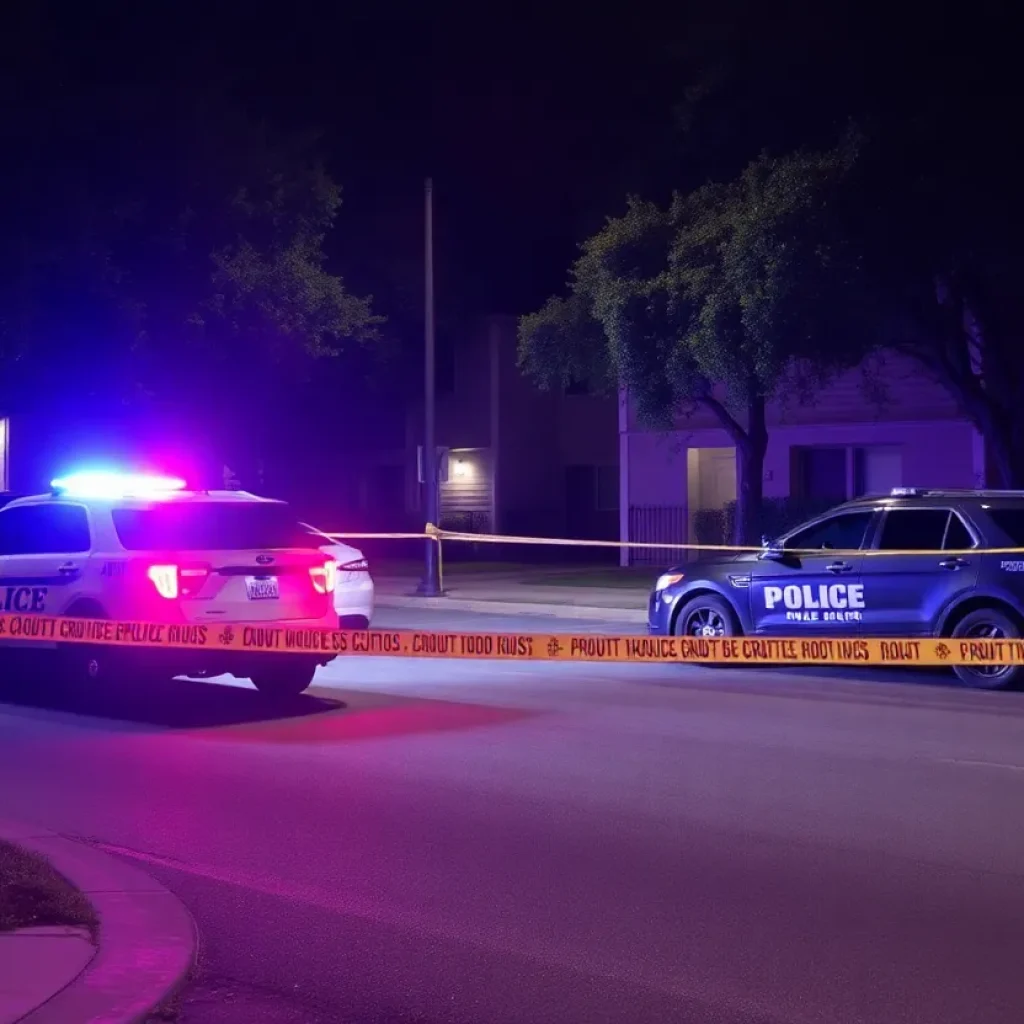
(833, 473)
(592, 488)
(819, 474)
(5, 442)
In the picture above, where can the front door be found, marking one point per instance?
(907, 592)
(797, 591)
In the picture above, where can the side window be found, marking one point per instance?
(44, 529)
(958, 537)
(916, 529)
(843, 532)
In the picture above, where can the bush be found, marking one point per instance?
(709, 525)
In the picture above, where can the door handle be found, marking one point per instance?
(838, 567)
(953, 563)
(67, 568)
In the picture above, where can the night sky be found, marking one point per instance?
(528, 125)
(534, 126)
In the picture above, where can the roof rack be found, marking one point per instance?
(940, 492)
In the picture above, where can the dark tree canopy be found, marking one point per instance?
(167, 248)
(722, 299)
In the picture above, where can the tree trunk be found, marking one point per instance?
(751, 445)
(750, 452)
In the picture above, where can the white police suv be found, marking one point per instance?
(146, 549)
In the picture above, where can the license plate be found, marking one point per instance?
(262, 589)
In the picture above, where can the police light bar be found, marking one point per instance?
(104, 485)
(906, 492)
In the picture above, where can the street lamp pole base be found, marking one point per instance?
(429, 588)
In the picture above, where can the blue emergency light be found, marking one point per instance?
(104, 485)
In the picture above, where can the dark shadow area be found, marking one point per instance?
(161, 703)
(913, 688)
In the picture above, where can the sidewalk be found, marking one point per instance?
(144, 947)
(528, 591)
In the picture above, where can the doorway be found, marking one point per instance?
(710, 487)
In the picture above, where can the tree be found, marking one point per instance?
(721, 300)
(937, 228)
(181, 260)
(934, 209)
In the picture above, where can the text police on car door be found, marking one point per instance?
(23, 599)
(826, 602)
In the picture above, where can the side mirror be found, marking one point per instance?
(772, 554)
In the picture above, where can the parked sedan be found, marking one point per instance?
(353, 589)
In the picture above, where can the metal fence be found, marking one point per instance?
(657, 524)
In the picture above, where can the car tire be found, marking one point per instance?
(90, 664)
(988, 624)
(284, 680)
(702, 613)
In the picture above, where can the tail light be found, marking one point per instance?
(359, 565)
(174, 581)
(324, 576)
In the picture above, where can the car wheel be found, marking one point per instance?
(705, 615)
(286, 679)
(988, 624)
(91, 665)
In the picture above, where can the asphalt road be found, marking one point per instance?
(481, 842)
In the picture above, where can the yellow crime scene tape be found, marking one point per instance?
(435, 533)
(561, 647)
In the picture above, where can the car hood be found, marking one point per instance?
(713, 565)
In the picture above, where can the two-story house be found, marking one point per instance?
(886, 424)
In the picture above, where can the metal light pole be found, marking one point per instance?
(430, 586)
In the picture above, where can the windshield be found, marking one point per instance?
(210, 526)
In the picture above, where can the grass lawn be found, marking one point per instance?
(386, 567)
(32, 894)
(631, 578)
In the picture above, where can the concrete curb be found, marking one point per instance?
(559, 611)
(147, 939)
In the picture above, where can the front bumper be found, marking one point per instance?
(659, 613)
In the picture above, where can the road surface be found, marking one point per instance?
(481, 842)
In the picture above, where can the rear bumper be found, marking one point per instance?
(353, 603)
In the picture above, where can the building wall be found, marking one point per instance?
(468, 489)
(933, 453)
(886, 386)
(552, 459)
(530, 491)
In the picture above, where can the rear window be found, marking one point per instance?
(210, 526)
(1010, 521)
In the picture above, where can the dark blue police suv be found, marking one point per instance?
(915, 563)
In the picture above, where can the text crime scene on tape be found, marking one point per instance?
(514, 646)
